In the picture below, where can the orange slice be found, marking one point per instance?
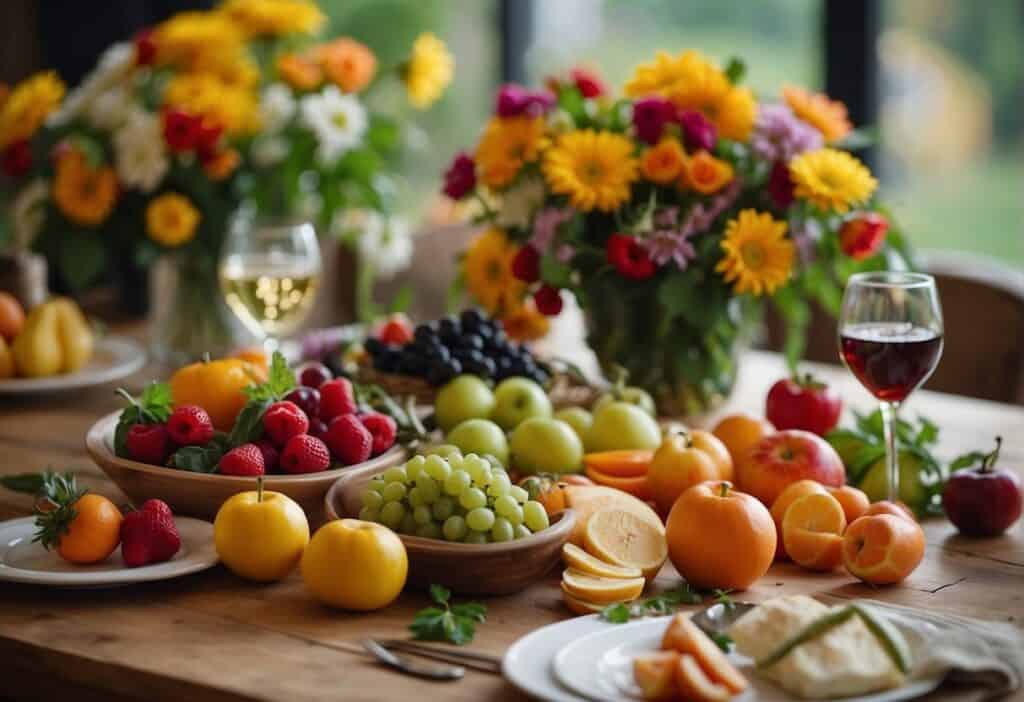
(601, 591)
(581, 607)
(638, 486)
(812, 530)
(625, 539)
(623, 463)
(576, 557)
(792, 493)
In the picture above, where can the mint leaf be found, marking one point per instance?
(471, 610)
(280, 380)
(723, 641)
(249, 424)
(617, 613)
(455, 624)
(440, 594)
(156, 400)
(201, 459)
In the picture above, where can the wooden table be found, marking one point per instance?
(211, 636)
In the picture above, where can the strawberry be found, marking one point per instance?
(336, 398)
(243, 460)
(350, 442)
(305, 454)
(149, 443)
(382, 428)
(190, 425)
(395, 330)
(148, 535)
(283, 420)
(271, 457)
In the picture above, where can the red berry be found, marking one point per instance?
(149, 535)
(526, 264)
(317, 427)
(350, 442)
(149, 443)
(283, 420)
(629, 258)
(313, 374)
(396, 330)
(382, 428)
(190, 425)
(307, 399)
(305, 454)
(336, 398)
(548, 300)
(271, 457)
(243, 460)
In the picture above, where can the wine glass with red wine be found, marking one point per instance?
(890, 337)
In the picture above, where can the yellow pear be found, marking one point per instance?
(75, 335)
(6, 360)
(37, 349)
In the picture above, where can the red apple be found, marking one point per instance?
(983, 501)
(803, 403)
(785, 457)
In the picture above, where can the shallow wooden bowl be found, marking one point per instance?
(200, 494)
(477, 569)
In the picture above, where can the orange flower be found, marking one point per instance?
(706, 174)
(663, 163)
(827, 116)
(299, 72)
(84, 194)
(524, 322)
(348, 64)
(222, 164)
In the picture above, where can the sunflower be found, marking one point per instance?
(184, 38)
(594, 169)
(524, 322)
(664, 162)
(487, 267)
(428, 71)
(827, 116)
(831, 179)
(507, 145)
(85, 195)
(233, 107)
(758, 256)
(274, 17)
(27, 105)
(171, 220)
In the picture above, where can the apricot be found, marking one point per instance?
(694, 685)
(739, 432)
(793, 492)
(812, 530)
(854, 501)
(882, 549)
(896, 509)
(714, 447)
(655, 674)
(684, 637)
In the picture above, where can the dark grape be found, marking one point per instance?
(317, 427)
(411, 363)
(388, 361)
(307, 399)
(426, 330)
(471, 318)
(313, 374)
(374, 346)
(471, 341)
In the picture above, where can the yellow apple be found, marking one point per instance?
(355, 565)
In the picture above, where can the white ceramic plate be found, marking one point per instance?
(23, 561)
(115, 357)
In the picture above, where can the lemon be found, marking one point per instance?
(603, 591)
(581, 607)
(576, 557)
(625, 539)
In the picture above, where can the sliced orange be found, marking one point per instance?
(576, 557)
(683, 636)
(581, 607)
(600, 591)
(694, 685)
(638, 486)
(655, 674)
(625, 539)
(788, 496)
(812, 531)
(621, 464)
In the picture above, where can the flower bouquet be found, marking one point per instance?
(670, 213)
(160, 145)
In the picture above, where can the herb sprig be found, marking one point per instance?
(664, 603)
(446, 622)
(153, 406)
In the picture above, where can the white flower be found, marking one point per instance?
(139, 154)
(269, 150)
(520, 202)
(277, 107)
(338, 121)
(28, 211)
(385, 244)
(114, 66)
(109, 109)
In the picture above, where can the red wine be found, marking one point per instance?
(890, 359)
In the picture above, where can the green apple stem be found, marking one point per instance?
(259, 488)
(723, 488)
(990, 460)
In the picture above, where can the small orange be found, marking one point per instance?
(854, 501)
(882, 549)
(812, 531)
(713, 446)
(793, 492)
(12, 316)
(896, 509)
(677, 466)
(217, 387)
(94, 533)
(254, 355)
(741, 431)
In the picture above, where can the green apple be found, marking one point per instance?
(577, 418)
(480, 436)
(464, 397)
(621, 425)
(545, 445)
(631, 394)
(516, 399)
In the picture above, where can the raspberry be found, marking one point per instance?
(149, 443)
(526, 264)
(190, 425)
(283, 420)
(270, 455)
(305, 454)
(548, 301)
(244, 460)
(336, 398)
(350, 442)
(382, 428)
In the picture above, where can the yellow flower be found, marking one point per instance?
(692, 82)
(663, 163)
(428, 71)
(171, 220)
(506, 146)
(487, 267)
(706, 174)
(758, 256)
(184, 38)
(831, 179)
(27, 105)
(827, 116)
(85, 195)
(274, 17)
(524, 322)
(231, 106)
(594, 169)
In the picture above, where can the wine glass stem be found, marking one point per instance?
(892, 456)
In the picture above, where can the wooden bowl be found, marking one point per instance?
(472, 569)
(201, 494)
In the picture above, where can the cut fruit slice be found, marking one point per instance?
(603, 591)
(586, 500)
(694, 685)
(655, 674)
(637, 487)
(622, 464)
(812, 531)
(683, 636)
(576, 557)
(582, 607)
(626, 539)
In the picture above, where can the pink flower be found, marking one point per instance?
(780, 185)
(698, 131)
(460, 178)
(779, 135)
(588, 82)
(545, 226)
(666, 245)
(514, 100)
(650, 115)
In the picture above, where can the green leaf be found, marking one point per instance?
(555, 273)
(249, 424)
(81, 258)
(130, 416)
(197, 459)
(28, 483)
(735, 70)
(280, 380)
(928, 433)
(456, 624)
(723, 641)
(617, 613)
(471, 610)
(440, 594)
(401, 301)
(967, 460)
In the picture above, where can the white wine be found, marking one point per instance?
(271, 294)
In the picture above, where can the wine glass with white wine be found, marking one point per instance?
(269, 276)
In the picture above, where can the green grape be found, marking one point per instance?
(369, 514)
(519, 493)
(429, 531)
(521, 531)
(480, 519)
(408, 525)
(507, 507)
(493, 460)
(437, 468)
(456, 461)
(534, 516)
(391, 514)
(377, 485)
(394, 492)
(395, 474)
(415, 497)
(473, 498)
(502, 530)
(414, 466)
(422, 515)
(477, 469)
(372, 499)
(500, 484)
(442, 450)
(475, 537)
(429, 490)
(443, 508)
(457, 482)
(454, 528)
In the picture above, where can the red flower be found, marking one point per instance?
(460, 178)
(514, 100)
(588, 82)
(207, 139)
(698, 132)
(17, 159)
(650, 115)
(780, 185)
(629, 258)
(526, 264)
(548, 301)
(862, 237)
(145, 48)
(182, 131)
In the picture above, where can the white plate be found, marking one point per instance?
(115, 357)
(599, 666)
(22, 561)
(528, 662)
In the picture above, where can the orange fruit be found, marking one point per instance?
(694, 685)
(854, 501)
(683, 636)
(12, 316)
(626, 539)
(719, 537)
(591, 588)
(740, 431)
(882, 549)
(637, 486)
(217, 387)
(812, 531)
(793, 492)
(677, 466)
(714, 447)
(654, 674)
(624, 463)
(896, 509)
(254, 355)
(94, 533)
(575, 557)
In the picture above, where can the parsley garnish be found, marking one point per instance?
(452, 623)
(664, 603)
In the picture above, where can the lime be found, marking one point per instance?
(912, 490)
